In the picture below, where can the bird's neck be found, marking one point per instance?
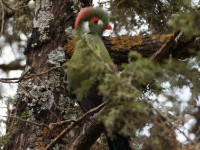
(79, 33)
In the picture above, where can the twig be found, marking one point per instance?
(7, 5)
(188, 138)
(74, 123)
(7, 80)
(170, 122)
(62, 122)
(24, 77)
(2, 17)
(33, 123)
(24, 73)
(165, 48)
(44, 72)
(38, 74)
(173, 46)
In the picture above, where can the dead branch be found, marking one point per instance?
(75, 123)
(166, 120)
(165, 48)
(174, 46)
(25, 76)
(15, 65)
(23, 120)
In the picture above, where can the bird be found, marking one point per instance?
(89, 26)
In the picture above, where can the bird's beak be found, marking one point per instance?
(108, 27)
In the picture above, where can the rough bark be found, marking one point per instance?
(86, 140)
(44, 99)
(161, 46)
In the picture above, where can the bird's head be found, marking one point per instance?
(92, 20)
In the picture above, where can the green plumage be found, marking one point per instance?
(90, 53)
(86, 66)
(89, 64)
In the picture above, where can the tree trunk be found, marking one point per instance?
(43, 95)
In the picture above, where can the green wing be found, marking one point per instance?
(86, 62)
(96, 44)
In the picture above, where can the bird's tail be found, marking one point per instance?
(118, 142)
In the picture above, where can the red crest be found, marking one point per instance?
(83, 13)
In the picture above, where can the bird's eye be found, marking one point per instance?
(95, 21)
(100, 22)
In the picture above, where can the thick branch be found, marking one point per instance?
(87, 139)
(174, 46)
(75, 123)
(147, 46)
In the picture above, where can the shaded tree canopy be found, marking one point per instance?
(154, 99)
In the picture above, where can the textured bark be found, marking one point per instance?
(44, 99)
(162, 46)
(84, 141)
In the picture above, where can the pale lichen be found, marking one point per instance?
(56, 57)
(43, 94)
(43, 17)
(31, 141)
(69, 30)
(33, 45)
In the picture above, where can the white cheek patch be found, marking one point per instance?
(86, 28)
(100, 22)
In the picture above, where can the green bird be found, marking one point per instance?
(84, 68)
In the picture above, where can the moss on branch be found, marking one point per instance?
(146, 45)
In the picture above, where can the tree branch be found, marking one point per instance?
(89, 137)
(75, 123)
(14, 65)
(174, 46)
(23, 120)
(25, 76)
(156, 47)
